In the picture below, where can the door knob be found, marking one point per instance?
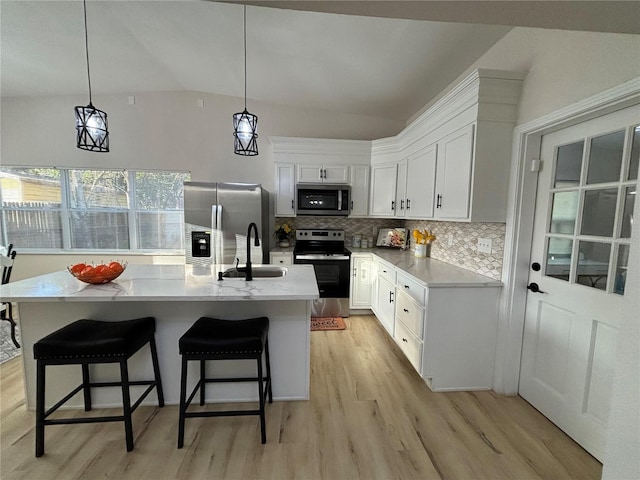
(535, 288)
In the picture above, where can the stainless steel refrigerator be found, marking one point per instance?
(216, 217)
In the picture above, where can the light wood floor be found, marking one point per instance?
(370, 417)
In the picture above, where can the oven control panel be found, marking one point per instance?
(320, 234)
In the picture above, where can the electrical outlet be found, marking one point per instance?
(450, 239)
(484, 245)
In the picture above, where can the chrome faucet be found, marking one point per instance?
(247, 268)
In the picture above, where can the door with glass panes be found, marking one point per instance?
(582, 228)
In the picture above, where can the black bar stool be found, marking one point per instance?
(214, 339)
(86, 342)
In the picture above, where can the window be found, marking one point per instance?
(50, 208)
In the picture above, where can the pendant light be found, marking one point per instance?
(245, 124)
(91, 123)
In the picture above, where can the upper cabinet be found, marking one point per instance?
(359, 190)
(322, 174)
(456, 154)
(383, 190)
(285, 190)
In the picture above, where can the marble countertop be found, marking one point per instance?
(166, 283)
(430, 272)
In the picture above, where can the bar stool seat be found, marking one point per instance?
(85, 342)
(215, 339)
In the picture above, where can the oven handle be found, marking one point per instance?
(321, 257)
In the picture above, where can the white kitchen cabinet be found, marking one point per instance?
(361, 281)
(359, 191)
(453, 177)
(323, 174)
(281, 258)
(285, 190)
(421, 179)
(399, 206)
(448, 332)
(383, 190)
(385, 291)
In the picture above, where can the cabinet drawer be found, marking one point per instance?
(387, 271)
(410, 345)
(411, 288)
(410, 313)
(281, 258)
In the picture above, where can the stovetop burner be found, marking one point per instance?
(320, 240)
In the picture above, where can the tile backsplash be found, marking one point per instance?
(463, 251)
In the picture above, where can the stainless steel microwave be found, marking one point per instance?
(323, 199)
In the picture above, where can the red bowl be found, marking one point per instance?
(102, 275)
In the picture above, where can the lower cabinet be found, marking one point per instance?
(448, 333)
(281, 258)
(361, 281)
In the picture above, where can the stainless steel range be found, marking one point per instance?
(325, 250)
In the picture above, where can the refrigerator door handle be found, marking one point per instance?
(219, 217)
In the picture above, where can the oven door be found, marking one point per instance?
(332, 273)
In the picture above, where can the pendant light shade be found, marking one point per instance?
(245, 124)
(91, 123)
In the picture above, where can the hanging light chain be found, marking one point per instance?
(86, 48)
(245, 55)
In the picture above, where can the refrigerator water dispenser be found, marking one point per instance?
(201, 244)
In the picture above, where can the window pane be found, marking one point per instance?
(99, 230)
(33, 228)
(30, 187)
(559, 258)
(569, 165)
(564, 212)
(98, 189)
(627, 212)
(635, 155)
(621, 269)
(599, 212)
(160, 190)
(593, 264)
(160, 230)
(605, 158)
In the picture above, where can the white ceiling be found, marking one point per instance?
(371, 65)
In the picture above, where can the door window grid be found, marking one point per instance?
(566, 249)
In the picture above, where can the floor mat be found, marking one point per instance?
(327, 323)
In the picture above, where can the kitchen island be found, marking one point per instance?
(176, 295)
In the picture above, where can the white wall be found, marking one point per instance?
(167, 130)
(563, 67)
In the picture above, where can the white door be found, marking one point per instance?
(581, 241)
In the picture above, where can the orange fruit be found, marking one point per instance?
(77, 268)
(100, 269)
(116, 267)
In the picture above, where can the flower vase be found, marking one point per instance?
(284, 243)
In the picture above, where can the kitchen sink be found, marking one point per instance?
(258, 271)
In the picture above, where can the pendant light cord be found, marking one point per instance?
(245, 55)
(86, 47)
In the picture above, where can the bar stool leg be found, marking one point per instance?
(86, 387)
(40, 384)
(183, 399)
(126, 405)
(156, 371)
(266, 352)
(261, 398)
(202, 382)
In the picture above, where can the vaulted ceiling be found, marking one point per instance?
(376, 58)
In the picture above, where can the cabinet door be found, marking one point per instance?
(453, 171)
(401, 189)
(383, 190)
(386, 304)
(309, 173)
(335, 174)
(360, 296)
(281, 258)
(285, 190)
(359, 191)
(421, 180)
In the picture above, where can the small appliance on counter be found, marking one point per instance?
(324, 249)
